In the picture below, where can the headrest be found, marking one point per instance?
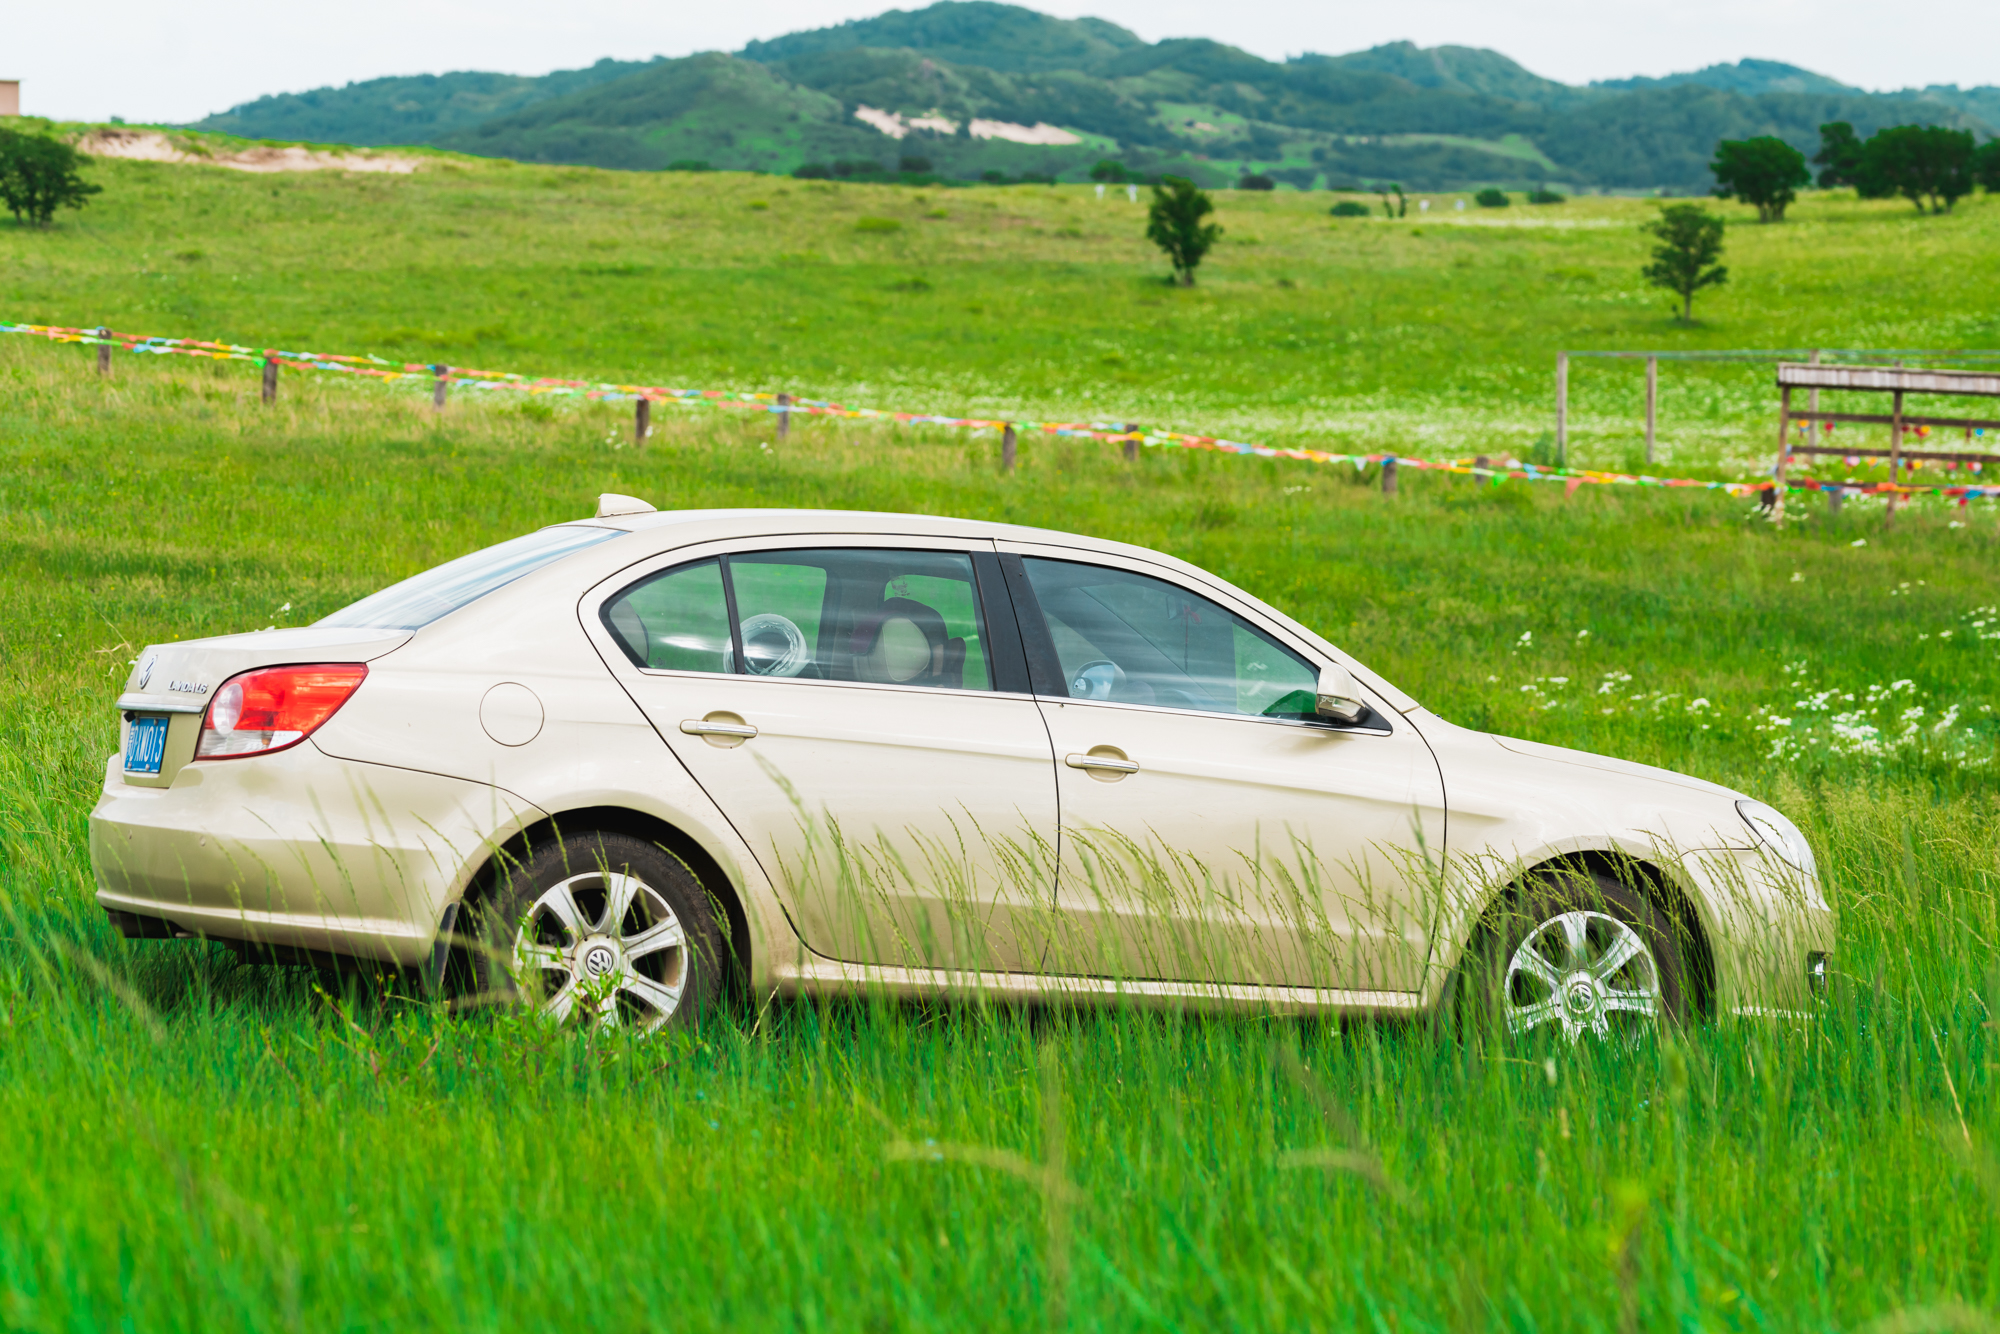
(898, 642)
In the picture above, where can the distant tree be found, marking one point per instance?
(914, 163)
(1690, 241)
(1921, 162)
(1349, 208)
(1491, 198)
(813, 171)
(993, 177)
(38, 175)
(1839, 155)
(689, 164)
(1399, 209)
(1986, 165)
(1256, 181)
(1174, 224)
(1109, 170)
(1546, 196)
(1765, 172)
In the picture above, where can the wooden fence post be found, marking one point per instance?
(1479, 469)
(1652, 405)
(1834, 496)
(642, 420)
(1131, 445)
(1007, 448)
(1562, 409)
(103, 352)
(1777, 505)
(784, 415)
(1895, 454)
(270, 379)
(439, 389)
(1389, 475)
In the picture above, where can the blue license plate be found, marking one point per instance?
(145, 745)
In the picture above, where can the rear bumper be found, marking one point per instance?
(1766, 928)
(299, 850)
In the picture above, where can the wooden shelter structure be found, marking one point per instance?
(1896, 381)
(1653, 358)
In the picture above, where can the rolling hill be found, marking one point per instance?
(972, 87)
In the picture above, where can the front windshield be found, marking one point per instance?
(423, 598)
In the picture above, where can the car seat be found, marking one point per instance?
(904, 642)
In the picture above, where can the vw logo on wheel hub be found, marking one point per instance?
(599, 960)
(1580, 996)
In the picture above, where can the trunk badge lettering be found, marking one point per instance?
(188, 687)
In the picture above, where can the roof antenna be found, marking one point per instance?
(610, 506)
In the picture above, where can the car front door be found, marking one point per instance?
(863, 719)
(1214, 829)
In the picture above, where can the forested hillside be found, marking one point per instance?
(965, 89)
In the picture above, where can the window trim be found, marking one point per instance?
(1002, 620)
(1045, 673)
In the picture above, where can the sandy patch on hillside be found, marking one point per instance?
(152, 146)
(896, 125)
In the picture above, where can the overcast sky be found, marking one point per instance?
(147, 61)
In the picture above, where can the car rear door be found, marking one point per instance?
(1213, 829)
(859, 710)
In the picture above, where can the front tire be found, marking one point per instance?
(1577, 955)
(600, 929)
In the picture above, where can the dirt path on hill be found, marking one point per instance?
(153, 146)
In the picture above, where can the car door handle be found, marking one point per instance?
(1100, 762)
(702, 727)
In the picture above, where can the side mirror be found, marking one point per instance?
(1339, 699)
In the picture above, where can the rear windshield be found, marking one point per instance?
(422, 598)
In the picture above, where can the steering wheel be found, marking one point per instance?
(774, 646)
(1101, 679)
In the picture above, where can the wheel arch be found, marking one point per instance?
(1656, 881)
(671, 839)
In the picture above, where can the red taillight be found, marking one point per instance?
(274, 707)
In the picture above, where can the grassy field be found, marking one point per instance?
(200, 1146)
(1431, 335)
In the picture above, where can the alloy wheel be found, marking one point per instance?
(1585, 974)
(602, 948)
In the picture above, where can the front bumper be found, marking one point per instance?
(298, 849)
(1767, 930)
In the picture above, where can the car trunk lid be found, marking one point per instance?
(171, 684)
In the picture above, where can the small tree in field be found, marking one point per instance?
(38, 175)
(1839, 155)
(1174, 224)
(1766, 172)
(1921, 163)
(1986, 166)
(1690, 241)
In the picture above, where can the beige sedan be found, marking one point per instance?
(621, 766)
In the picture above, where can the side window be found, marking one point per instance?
(675, 621)
(888, 617)
(1134, 639)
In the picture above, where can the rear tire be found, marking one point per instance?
(600, 929)
(1575, 954)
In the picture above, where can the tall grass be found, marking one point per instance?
(199, 1145)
